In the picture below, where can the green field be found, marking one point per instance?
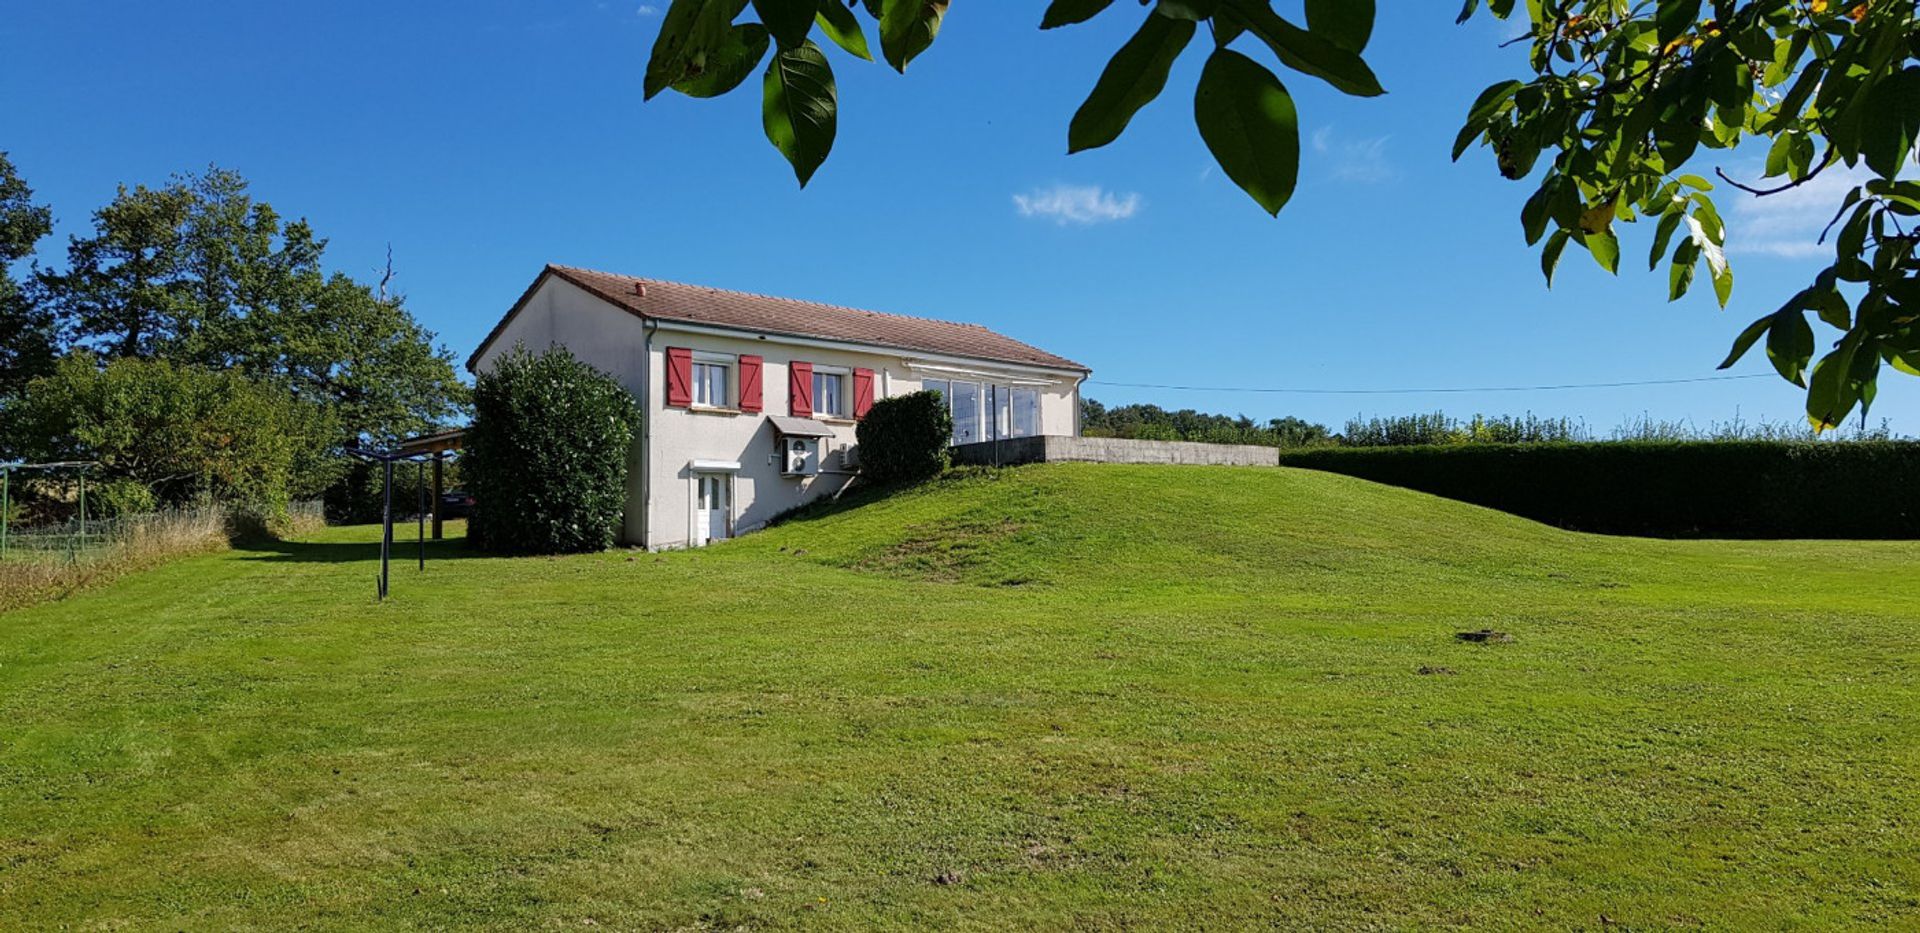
(1058, 696)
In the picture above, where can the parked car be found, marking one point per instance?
(456, 503)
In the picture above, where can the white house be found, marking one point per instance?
(749, 402)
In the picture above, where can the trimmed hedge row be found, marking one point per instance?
(1740, 489)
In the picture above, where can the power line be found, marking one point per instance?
(1446, 390)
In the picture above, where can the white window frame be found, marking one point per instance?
(729, 365)
(843, 388)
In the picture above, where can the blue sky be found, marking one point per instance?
(483, 139)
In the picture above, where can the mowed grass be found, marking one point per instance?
(1055, 696)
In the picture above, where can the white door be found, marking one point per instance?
(712, 518)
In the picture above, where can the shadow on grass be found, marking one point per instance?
(346, 552)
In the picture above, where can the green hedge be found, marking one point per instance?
(546, 457)
(904, 439)
(1741, 489)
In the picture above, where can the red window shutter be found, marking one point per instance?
(800, 389)
(862, 392)
(679, 377)
(750, 383)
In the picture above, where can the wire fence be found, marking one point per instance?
(77, 539)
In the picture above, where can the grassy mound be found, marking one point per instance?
(1052, 696)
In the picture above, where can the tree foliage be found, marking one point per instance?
(185, 433)
(546, 457)
(1620, 99)
(28, 337)
(198, 272)
(1153, 423)
(207, 352)
(1243, 111)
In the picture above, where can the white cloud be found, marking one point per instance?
(1788, 224)
(648, 9)
(1362, 160)
(1077, 204)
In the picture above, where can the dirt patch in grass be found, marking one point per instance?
(953, 551)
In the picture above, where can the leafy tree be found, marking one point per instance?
(546, 457)
(183, 433)
(1620, 98)
(198, 272)
(27, 333)
(1153, 423)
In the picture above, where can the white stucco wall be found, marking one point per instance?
(660, 489)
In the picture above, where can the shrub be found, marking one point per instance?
(546, 458)
(1737, 489)
(123, 497)
(185, 433)
(904, 439)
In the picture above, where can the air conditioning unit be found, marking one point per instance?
(802, 457)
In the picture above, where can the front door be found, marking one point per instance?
(712, 518)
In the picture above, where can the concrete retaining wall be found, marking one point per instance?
(1056, 448)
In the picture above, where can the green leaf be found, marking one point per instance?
(1790, 343)
(1550, 254)
(1745, 341)
(798, 107)
(689, 32)
(1662, 235)
(788, 20)
(730, 63)
(839, 24)
(1482, 111)
(1135, 75)
(1307, 53)
(1680, 274)
(1194, 11)
(1892, 121)
(907, 28)
(1247, 119)
(1779, 155)
(1466, 11)
(1675, 17)
(1067, 12)
(1722, 276)
(1345, 23)
(1833, 390)
(1533, 214)
(1605, 248)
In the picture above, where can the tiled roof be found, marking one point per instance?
(697, 304)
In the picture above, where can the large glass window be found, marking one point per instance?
(1026, 412)
(710, 384)
(985, 412)
(967, 426)
(829, 394)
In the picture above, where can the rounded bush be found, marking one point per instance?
(546, 458)
(904, 439)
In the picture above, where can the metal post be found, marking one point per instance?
(6, 482)
(420, 484)
(386, 523)
(83, 504)
(439, 458)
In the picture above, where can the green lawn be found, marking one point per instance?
(1059, 696)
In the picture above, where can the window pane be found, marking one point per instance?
(941, 386)
(966, 413)
(827, 395)
(1026, 412)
